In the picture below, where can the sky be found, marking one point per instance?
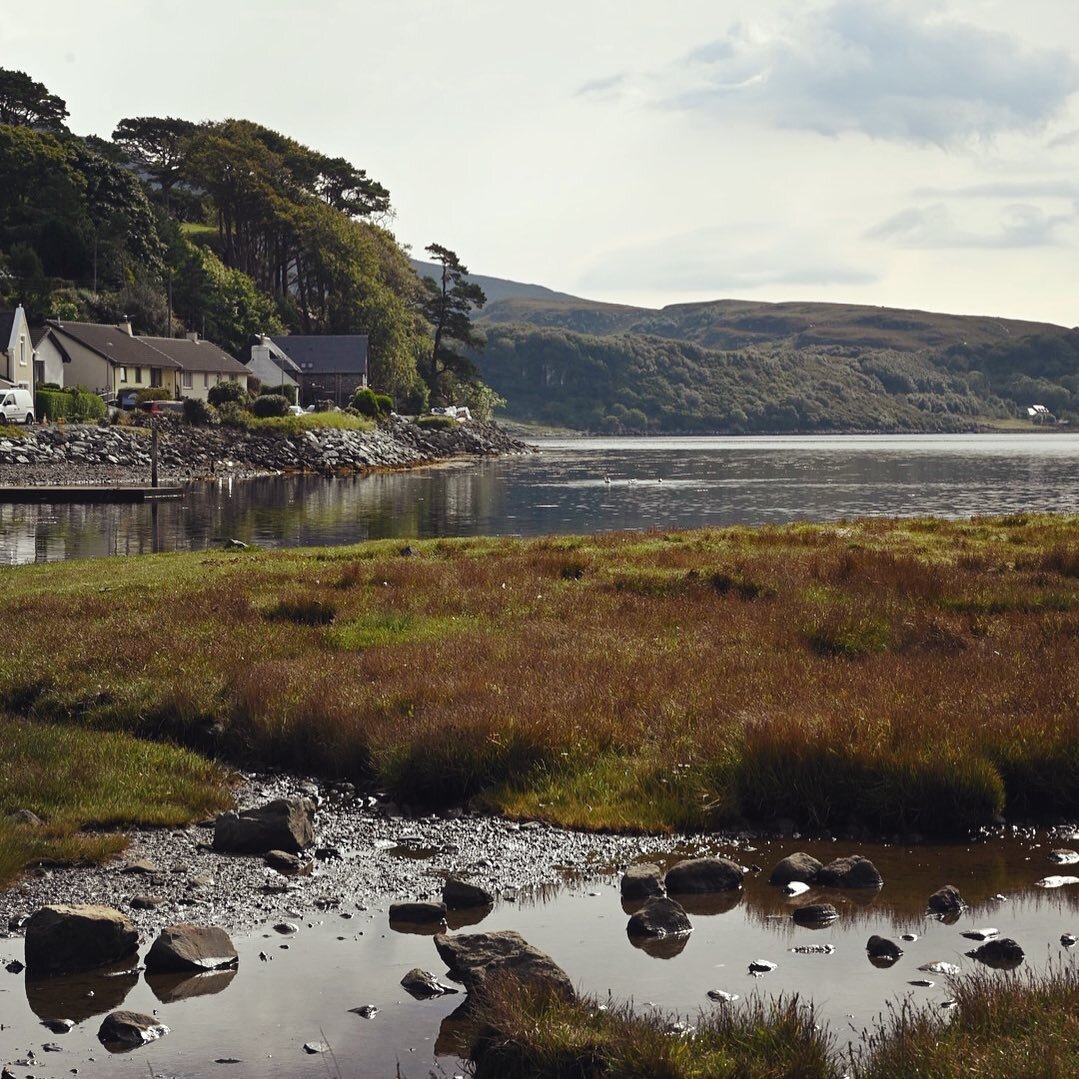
(907, 153)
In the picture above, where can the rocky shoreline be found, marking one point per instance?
(77, 454)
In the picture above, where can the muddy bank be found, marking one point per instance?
(87, 453)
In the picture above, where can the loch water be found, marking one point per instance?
(580, 485)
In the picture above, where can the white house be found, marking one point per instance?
(16, 350)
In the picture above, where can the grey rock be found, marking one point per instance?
(852, 872)
(882, 948)
(659, 917)
(946, 900)
(815, 914)
(187, 947)
(699, 876)
(146, 902)
(422, 984)
(285, 824)
(26, 818)
(288, 865)
(795, 867)
(761, 966)
(130, 1029)
(642, 881)
(473, 958)
(1003, 954)
(141, 867)
(458, 894)
(69, 938)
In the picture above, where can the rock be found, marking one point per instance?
(757, 967)
(288, 865)
(188, 947)
(721, 997)
(142, 867)
(795, 887)
(1055, 882)
(422, 984)
(126, 1030)
(981, 934)
(1069, 940)
(1060, 857)
(418, 913)
(286, 928)
(853, 872)
(365, 1011)
(642, 881)
(795, 867)
(882, 948)
(819, 914)
(696, 876)
(922, 983)
(946, 900)
(659, 917)
(235, 545)
(146, 902)
(458, 894)
(58, 1026)
(26, 818)
(285, 824)
(814, 949)
(314, 1048)
(1003, 954)
(472, 958)
(938, 966)
(68, 938)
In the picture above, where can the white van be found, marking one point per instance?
(17, 406)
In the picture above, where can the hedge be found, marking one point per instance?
(75, 405)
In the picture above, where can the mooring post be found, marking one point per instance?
(153, 451)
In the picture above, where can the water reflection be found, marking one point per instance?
(661, 483)
(169, 988)
(80, 996)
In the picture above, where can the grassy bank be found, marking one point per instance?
(1001, 1027)
(74, 778)
(905, 675)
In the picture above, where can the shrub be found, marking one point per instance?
(152, 393)
(226, 391)
(233, 414)
(286, 390)
(199, 413)
(270, 404)
(385, 403)
(365, 402)
(76, 404)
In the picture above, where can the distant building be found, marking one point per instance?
(16, 351)
(323, 367)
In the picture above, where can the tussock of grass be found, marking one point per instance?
(12, 432)
(830, 674)
(73, 778)
(527, 1035)
(311, 421)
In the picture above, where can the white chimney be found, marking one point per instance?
(124, 326)
(193, 336)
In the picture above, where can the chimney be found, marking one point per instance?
(193, 336)
(124, 326)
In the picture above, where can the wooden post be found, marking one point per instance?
(153, 451)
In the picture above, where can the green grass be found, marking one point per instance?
(834, 675)
(311, 421)
(74, 778)
(13, 432)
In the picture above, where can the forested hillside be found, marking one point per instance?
(226, 228)
(739, 366)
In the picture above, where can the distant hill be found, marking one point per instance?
(497, 288)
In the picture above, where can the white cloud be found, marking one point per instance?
(889, 70)
(937, 226)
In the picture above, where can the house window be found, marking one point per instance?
(138, 376)
(22, 351)
(155, 376)
(123, 374)
(205, 379)
(187, 380)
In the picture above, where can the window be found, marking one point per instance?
(187, 380)
(123, 374)
(205, 379)
(155, 376)
(22, 351)
(138, 376)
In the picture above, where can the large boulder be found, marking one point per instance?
(458, 894)
(475, 958)
(659, 917)
(852, 872)
(418, 913)
(797, 866)
(1003, 954)
(186, 947)
(946, 900)
(68, 938)
(285, 824)
(642, 881)
(696, 876)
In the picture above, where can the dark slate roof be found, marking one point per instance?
(7, 323)
(196, 355)
(113, 343)
(326, 354)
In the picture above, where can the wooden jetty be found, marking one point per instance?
(89, 493)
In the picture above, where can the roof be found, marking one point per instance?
(326, 354)
(114, 344)
(195, 355)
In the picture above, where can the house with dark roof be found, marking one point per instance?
(112, 361)
(16, 350)
(323, 367)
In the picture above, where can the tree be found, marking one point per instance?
(27, 103)
(448, 307)
(157, 143)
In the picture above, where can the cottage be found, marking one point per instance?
(324, 367)
(201, 364)
(16, 350)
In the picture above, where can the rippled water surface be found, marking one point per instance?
(262, 1015)
(581, 485)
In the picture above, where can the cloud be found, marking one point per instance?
(1005, 189)
(719, 260)
(893, 69)
(1018, 225)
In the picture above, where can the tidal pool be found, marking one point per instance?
(303, 988)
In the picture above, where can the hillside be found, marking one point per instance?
(497, 289)
(741, 366)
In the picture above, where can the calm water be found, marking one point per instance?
(262, 1015)
(667, 483)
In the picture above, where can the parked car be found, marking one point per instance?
(17, 406)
